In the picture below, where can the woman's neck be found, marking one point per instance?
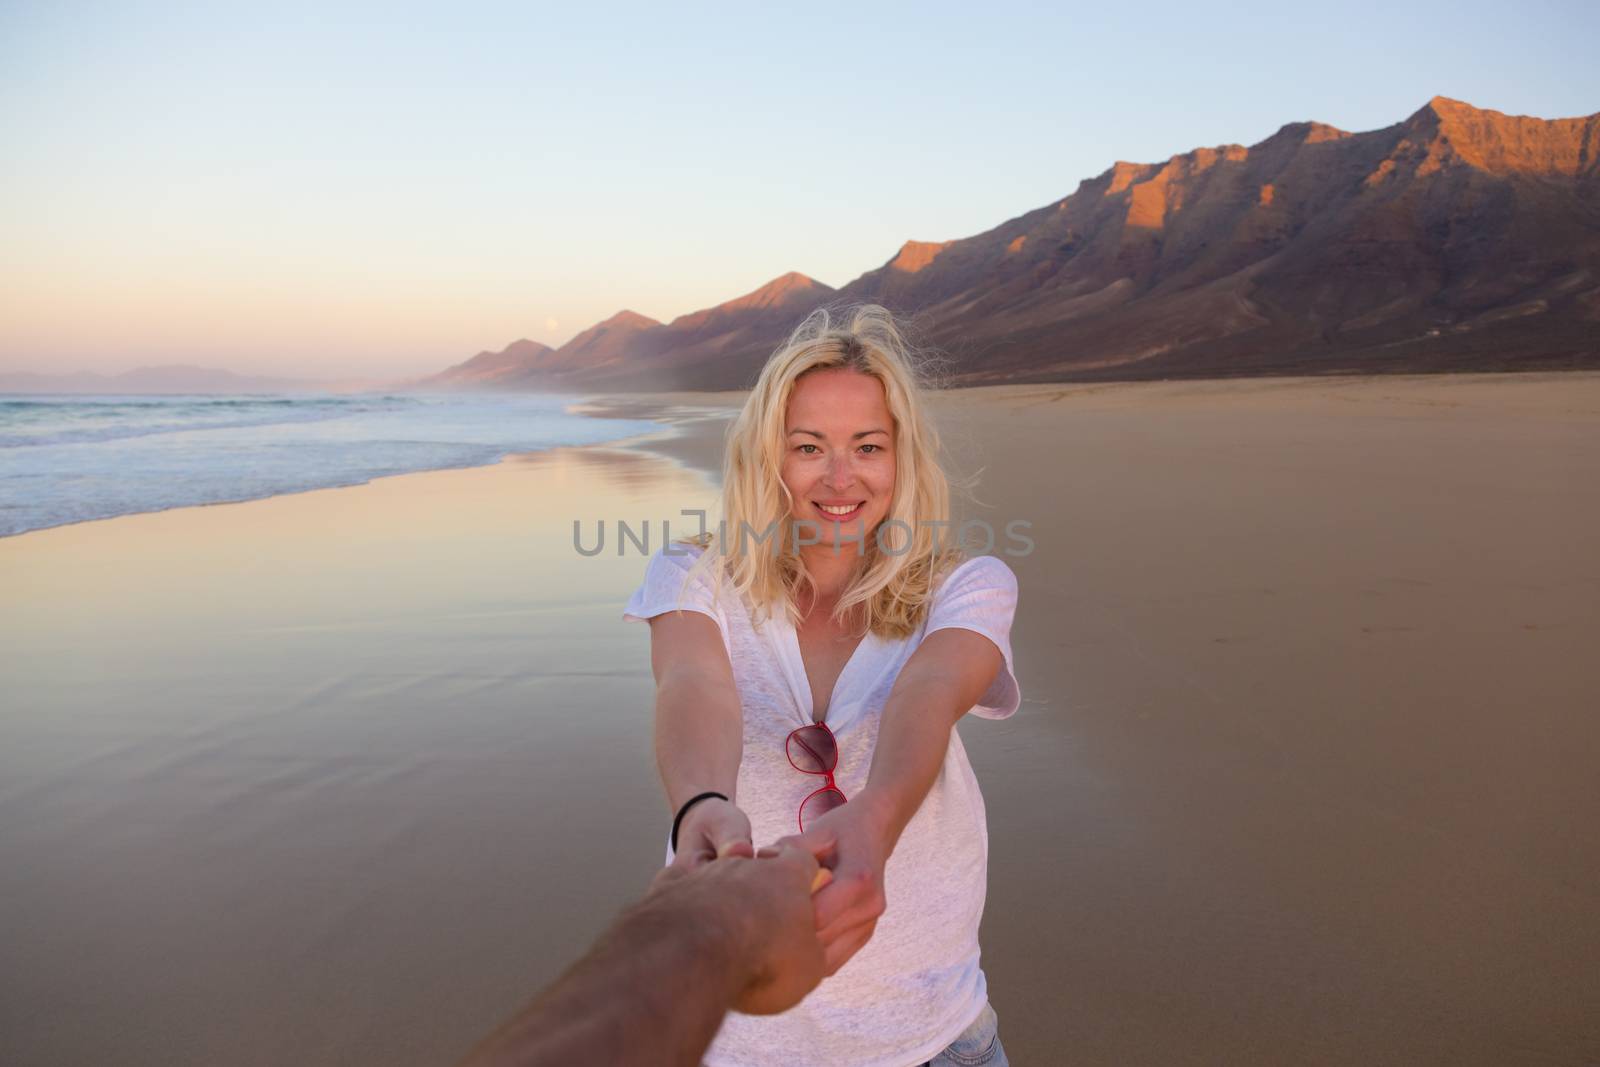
(830, 571)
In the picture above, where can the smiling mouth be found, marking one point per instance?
(840, 514)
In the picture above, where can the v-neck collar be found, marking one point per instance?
(794, 669)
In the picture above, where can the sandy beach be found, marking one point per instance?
(1305, 770)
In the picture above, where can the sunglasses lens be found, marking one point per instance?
(812, 749)
(819, 804)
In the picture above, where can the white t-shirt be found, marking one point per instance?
(917, 984)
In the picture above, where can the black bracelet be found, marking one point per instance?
(687, 804)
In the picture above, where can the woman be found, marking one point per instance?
(831, 637)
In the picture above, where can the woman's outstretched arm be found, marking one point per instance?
(945, 677)
(699, 734)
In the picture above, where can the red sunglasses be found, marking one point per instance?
(814, 750)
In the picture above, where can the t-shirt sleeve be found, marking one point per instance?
(664, 588)
(981, 595)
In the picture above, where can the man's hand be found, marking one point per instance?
(852, 842)
(760, 912)
(736, 932)
(787, 953)
(712, 829)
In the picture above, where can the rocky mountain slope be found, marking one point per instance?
(1458, 239)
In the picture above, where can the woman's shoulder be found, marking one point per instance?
(676, 557)
(980, 591)
(976, 572)
(681, 565)
(686, 551)
(674, 580)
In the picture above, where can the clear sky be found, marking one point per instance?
(329, 189)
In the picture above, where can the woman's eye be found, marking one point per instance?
(815, 450)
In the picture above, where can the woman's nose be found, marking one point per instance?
(839, 472)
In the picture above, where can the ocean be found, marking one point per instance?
(66, 459)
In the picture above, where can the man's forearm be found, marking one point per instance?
(652, 991)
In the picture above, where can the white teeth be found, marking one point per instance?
(838, 510)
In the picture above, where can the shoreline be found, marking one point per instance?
(671, 420)
(685, 417)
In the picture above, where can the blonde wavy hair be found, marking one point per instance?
(894, 587)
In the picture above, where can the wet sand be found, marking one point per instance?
(1305, 770)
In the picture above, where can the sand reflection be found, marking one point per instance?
(277, 773)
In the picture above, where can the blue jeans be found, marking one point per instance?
(978, 1044)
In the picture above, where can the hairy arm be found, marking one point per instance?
(654, 989)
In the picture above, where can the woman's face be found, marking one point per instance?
(839, 455)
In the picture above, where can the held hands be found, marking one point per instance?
(758, 913)
(712, 829)
(790, 963)
(846, 850)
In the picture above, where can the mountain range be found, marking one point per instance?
(1458, 239)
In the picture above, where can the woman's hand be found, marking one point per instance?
(713, 829)
(852, 841)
